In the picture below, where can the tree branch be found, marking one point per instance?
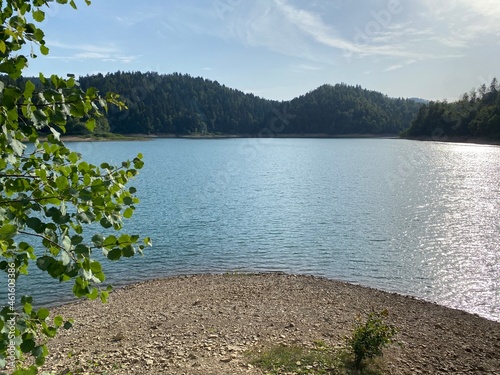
(17, 176)
(44, 238)
(28, 199)
(50, 241)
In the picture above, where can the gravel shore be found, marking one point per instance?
(204, 324)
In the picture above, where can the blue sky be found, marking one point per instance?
(280, 49)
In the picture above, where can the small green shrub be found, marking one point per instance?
(367, 341)
(370, 337)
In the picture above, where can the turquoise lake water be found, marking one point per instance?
(417, 218)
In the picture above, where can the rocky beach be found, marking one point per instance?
(207, 324)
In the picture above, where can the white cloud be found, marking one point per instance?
(293, 31)
(106, 53)
(312, 24)
(487, 8)
(83, 47)
(399, 66)
(461, 23)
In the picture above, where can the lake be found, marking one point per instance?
(417, 218)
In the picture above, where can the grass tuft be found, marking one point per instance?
(299, 360)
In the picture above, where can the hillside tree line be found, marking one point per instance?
(181, 104)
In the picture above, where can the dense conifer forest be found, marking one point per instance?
(343, 109)
(475, 115)
(181, 104)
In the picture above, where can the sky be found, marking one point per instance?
(281, 49)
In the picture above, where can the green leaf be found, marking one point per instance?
(44, 50)
(128, 251)
(87, 180)
(28, 90)
(76, 239)
(90, 124)
(80, 289)
(95, 267)
(82, 250)
(39, 35)
(50, 331)
(73, 157)
(27, 345)
(77, 109)
(128, 201)
(138, 163)
(58, 321)
(44, 262)
(105, 223)
(43, 313)
(10, 97)
(35, 224)
(62, 182)
(100, 276)
(128, 213)
(93, 294)
(8, 232)
(115, 254)
(104, 296)
(27, 308)
(109, 241)
(85, 195)
(56, 269)
(124, 240)
(38, 15)
(40, 361)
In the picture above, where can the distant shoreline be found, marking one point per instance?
(146, 137)
(456, 139)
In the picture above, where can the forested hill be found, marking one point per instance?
(343, 109)
(475, 115)
(181, 104)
